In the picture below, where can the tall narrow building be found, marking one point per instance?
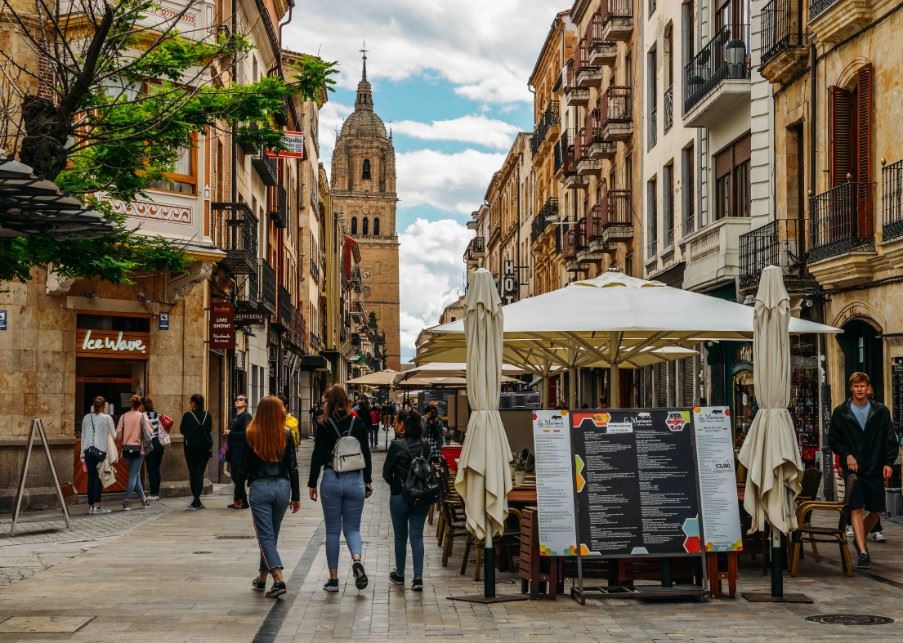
(363, 191)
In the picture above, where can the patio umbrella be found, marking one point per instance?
(484, 474)
(770, 452)
(380, 378)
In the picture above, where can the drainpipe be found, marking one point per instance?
(233, 375)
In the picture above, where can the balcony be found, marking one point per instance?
(713, 253)
(574, 96)
(597, 146)
(784, 50)
(279, 209)
(560, 149)
(546, 215)
(587, 74)
(616, 113)
(297, 330)
(544, 128)
(569, 248)
(572, 179)
(716, 80)
(587, 252)
(285, 309)
(239, 238)
(601, 52)
(586, 164)
(315, 271)
(315, 344)
(266, 168)
(834, 20)
(841, 221)
(779, 243)
(616, 218)
(476, 250)
(617, 20)
(892, 200)
(266, 297)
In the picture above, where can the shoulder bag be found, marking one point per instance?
(93, 450)
(346, 454)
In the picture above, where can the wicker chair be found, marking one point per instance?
(806, 530)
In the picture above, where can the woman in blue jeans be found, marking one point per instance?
(407, 520)
(343, 494)
(270, 467)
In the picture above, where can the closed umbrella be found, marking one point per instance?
(770, 452)
(484, 474)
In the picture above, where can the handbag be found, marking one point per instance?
(166, 422)
(92, 450)
(147, 435)
(346, 454)
(131, 451)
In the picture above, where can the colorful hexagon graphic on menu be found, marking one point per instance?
(692, 542)
(578, 473)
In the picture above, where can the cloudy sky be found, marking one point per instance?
(450, 79)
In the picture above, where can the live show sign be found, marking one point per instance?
(636, 482)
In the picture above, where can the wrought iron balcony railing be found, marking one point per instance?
(892, 200)
(818, 7)
(266, 168)
(841, 221)
(546, 122)
(779, 243)
(266, 299)
(279, 208)
(286, 308)
(724, 57)
(781, 27)
(239, 238)
(615, 105)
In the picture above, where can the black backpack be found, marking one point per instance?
(420, 487)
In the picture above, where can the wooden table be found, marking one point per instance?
(522, 496)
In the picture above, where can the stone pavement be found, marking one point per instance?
(172, 575)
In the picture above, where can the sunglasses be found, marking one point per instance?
(241, 399)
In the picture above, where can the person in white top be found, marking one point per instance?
(97, 428)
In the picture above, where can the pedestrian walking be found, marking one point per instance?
(862, 435)
(97, 428)
(374, 426)
(388, 414)
(408, 518)
(434, 433)
(270, 467)
(346, 482)
(197, 431)
(238, 447)
(291, 422)
(131, 430)
(154, 459)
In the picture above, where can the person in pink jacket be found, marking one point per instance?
(129, 430)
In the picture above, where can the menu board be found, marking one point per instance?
(635, 474)
(717, 479)
(554, 483)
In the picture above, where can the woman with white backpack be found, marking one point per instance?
(342, 451)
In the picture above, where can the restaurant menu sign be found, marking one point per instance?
(635, 478)
(555, 491)
(222, 334)
(717, 479)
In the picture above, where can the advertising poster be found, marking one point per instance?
(636, 482)
(554, 483)
(717, 479)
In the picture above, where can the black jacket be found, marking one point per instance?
(253, 468)
(874, 448)
(325, 442)
(398, 461)
(237, 444)
(196, 426)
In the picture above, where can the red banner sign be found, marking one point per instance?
(222, 335)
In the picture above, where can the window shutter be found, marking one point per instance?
(864, 150)
(743, 150)
(840, 135)
(723, 163)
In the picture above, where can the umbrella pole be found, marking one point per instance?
(777, 565)
(488, 561)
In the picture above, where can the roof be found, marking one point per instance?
(548, 41)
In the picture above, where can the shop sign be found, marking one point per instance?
(248, 317)
(164, 321)
(222, 334)
(111, 343)
(2, 320)
(292, 146)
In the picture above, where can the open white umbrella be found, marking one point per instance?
(484, 474)
(770, 452)
(380, 378)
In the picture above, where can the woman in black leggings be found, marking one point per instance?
(196, 428)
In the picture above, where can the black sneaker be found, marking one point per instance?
(396, 578)
(258, 585)
(360, 576)
(332, 585)
(278, 589)
(864, 561)
(417, 585)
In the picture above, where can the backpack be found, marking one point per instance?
(346, 454)
(420, 487)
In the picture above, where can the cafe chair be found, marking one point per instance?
(810, 483)
(817, 534)
(508, 543)
(452, 520)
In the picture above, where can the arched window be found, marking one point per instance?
(366, 229)
(376, 226)
(353, 225)
(366, 175)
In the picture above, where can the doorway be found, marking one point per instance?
(863, 350)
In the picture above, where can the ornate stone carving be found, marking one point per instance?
(179, 286)
(152, 210)
(57, 284)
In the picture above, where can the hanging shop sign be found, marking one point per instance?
(248, 317)
(116, 344)
(292, 146)
(222, 333)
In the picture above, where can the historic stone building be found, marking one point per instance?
(363, 181)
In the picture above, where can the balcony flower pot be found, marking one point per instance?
(695, 80)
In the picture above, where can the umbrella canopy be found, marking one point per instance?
(770, 452)
(484, 474)
(447, 369)
(380, 378)
(414, 383)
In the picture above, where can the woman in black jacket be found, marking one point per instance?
(342, 494)
(270, 467)
(407, 520)
(198, 442)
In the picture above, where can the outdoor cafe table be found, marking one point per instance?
(522, 496)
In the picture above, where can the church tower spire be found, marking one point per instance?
(364, 100)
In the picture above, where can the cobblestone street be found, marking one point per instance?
(166, 574)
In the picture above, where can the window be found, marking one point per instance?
(184, 177)
(851, 130)
(376, 226)
(651, 220)
(668, 204)
(353, 225)
(652, 74)
(366, 229)
(689, 32)
(732, 189)
(366, 173)
(688, 184)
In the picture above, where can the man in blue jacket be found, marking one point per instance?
(862, 435)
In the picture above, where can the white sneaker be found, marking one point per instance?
(91, 511)
(102, 510)
(878, 537)
(126, 507)
(850, 533)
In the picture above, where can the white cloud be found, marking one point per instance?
(479, 129)
(452, 182)
(432, 274)
(485, 49)
(331, 118)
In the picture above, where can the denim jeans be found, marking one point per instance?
(134, 478)
(153, 460)
(269, 498)
(374, 435)
(342, 495)
(407, 523)
(95, 485)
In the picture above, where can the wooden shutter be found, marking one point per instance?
(864, 150)
(840, 135)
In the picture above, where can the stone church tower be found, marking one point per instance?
(363, 191)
